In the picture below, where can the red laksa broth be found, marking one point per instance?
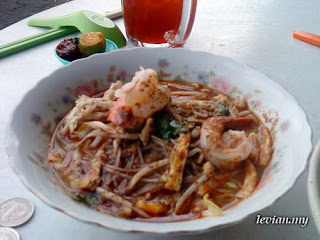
(160, 151)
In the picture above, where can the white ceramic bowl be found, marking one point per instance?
(34, 118)
(314, 185)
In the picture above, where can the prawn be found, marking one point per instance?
(138, 100)
(225, 149)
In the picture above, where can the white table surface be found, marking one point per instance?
(255, 32)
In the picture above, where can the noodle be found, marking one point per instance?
(147, 170)
(189, 191)
(160, 151)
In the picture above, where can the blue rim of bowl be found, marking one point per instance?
(110, 46)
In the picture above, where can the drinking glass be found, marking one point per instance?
(154, 23)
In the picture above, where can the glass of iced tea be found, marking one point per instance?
(158, 23)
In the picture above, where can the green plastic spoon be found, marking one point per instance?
(85, 21)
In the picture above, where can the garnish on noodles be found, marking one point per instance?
(160, 150)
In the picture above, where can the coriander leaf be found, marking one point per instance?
(90, 200)
(176, 127)
(222, 110)
(74, 196)
(166, 126)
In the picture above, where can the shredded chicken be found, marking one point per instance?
(85, 106)
(116, 198)
(145, 133)
(88, 180)
(147, 170)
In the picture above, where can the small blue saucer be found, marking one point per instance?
(110, 46)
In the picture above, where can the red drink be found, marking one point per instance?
(148, 20)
